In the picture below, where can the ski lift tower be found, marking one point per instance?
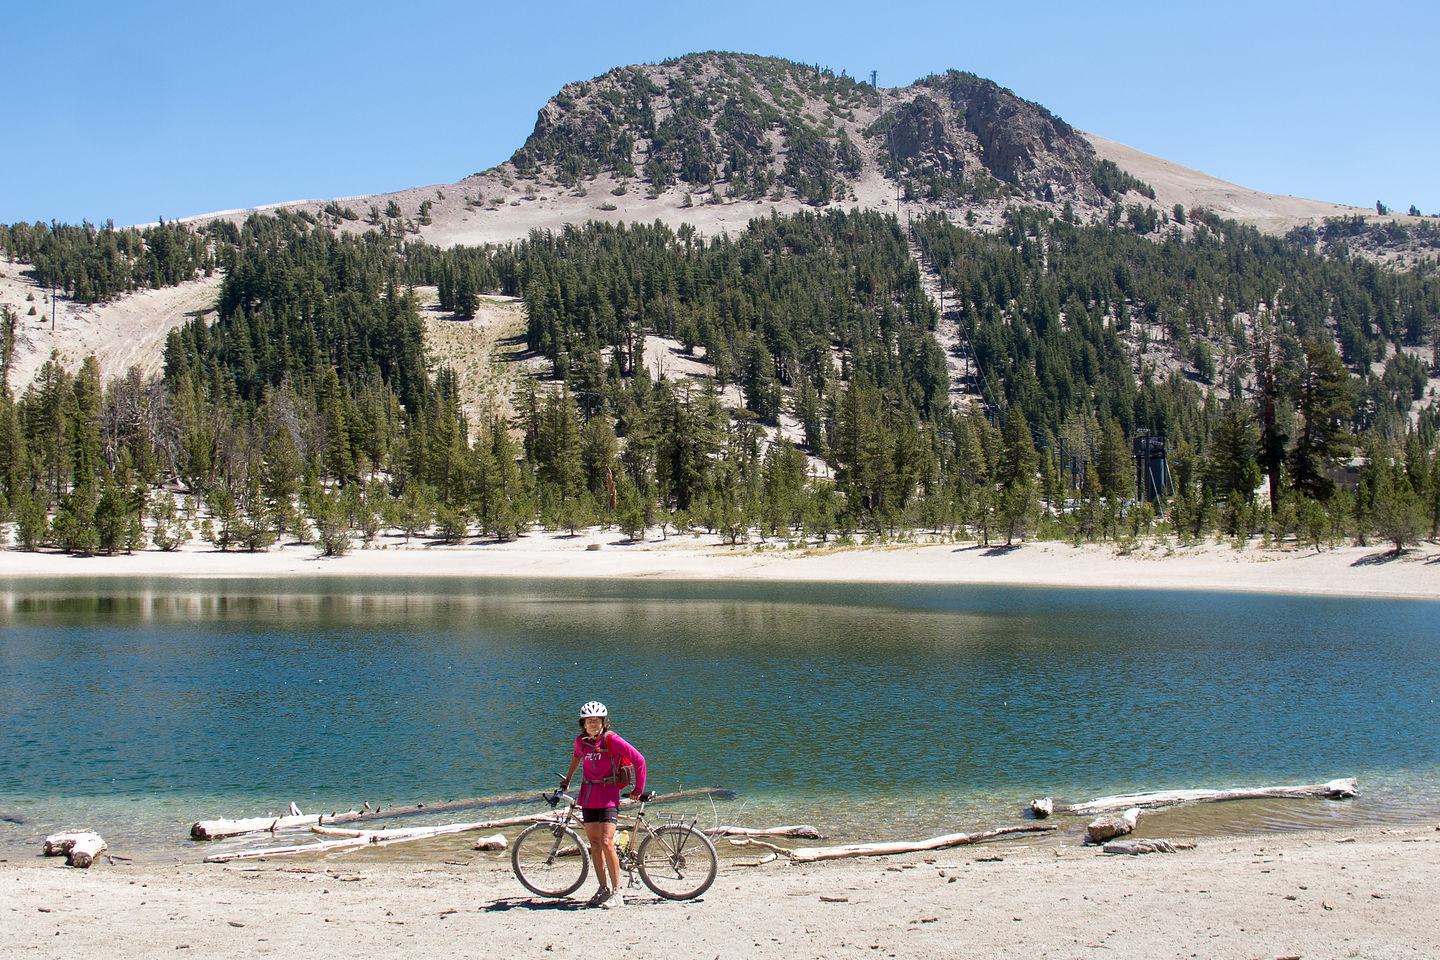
(1152, 470)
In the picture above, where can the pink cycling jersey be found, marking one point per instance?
(601, 761)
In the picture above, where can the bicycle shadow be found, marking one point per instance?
(532, 903)
(562, 904)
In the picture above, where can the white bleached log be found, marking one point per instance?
(1341, 789)
(1137, 847)
(216, 829)
(752, 842)
(1109, 826)
(343, 838)
(420, 833)
(812, 854)
(294, 849)
(800, 831)
(79, 848)
(226, 827)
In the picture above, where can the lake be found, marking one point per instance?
(137, 706)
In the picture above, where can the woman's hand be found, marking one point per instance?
(634, 794)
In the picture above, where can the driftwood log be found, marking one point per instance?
(886, 849)
(799, 831)
(1342, 789)
(79, 848)
(1109, 826)
(1137, 847)
(220, 828)
(294, 849)
(342, 838)
(295, 820)
(396, 834)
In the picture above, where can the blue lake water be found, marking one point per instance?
(139, 706)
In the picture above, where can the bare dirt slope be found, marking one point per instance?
(126, 332)
(1176, 184)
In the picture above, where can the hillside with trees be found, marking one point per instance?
(860, 375)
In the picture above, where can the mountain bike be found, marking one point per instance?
(673, 858)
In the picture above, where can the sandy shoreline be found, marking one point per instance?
(1372, 571)
(1364, 894)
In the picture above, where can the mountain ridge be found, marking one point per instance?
(571, 170)
(944, 130)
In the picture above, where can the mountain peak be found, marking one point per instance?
(752, 127)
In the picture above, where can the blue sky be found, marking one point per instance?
(155, 109)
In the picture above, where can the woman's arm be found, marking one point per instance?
(574, 762)
(623, 747)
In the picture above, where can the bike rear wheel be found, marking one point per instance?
(550, 859)
(679, 863)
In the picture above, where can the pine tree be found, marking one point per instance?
(1397, 510)
(1233, 469)
(557, 446)
(1325, 401)
(1016, 476)
(339, 461)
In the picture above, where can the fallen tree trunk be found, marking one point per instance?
(286, 851)
(217, 829)
(1137, 847)
(1333, 790)
(800, 831)
(222, 827)
(812, 854)
(510, 800)
(751, 841)
(343, 838)
(421, 833)
(79, 848)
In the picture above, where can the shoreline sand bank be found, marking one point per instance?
(1369, 893)
(1373, 571)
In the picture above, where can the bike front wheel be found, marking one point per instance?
(550, 859)
(679, 863)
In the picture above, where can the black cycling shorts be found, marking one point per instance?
(600, 814)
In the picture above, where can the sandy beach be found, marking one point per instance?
(1369, 894)
(1340, 571)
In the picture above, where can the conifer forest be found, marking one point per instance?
(1110, 379)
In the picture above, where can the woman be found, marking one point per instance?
(604, 755)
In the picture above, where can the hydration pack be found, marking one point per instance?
(622, 770)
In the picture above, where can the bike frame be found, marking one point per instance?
(636, 821)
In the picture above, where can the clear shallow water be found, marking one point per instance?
(871, 711)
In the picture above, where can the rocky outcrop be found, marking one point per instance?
(761, 123)
(1022, 143)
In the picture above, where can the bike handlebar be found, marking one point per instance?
(554, 798)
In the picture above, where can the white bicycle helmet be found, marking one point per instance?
(593, 709)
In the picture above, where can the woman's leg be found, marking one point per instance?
(602, 853)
